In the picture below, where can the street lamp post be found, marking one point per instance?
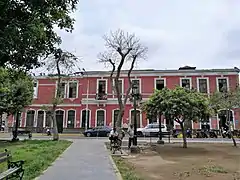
(135, 94)
(87, 114)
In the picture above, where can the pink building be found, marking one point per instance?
(102, 103)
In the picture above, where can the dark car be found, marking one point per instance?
(100, 131)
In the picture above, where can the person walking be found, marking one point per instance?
(131, 136)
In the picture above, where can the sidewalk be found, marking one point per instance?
(84, 159)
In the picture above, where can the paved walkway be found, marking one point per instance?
(85, 159)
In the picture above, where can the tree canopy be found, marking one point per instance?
(178, 105)
(27, 29)
(16, 90)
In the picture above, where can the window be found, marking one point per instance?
(120, 85)
(71, 119)
(159, 84)
(72, 89)
(137, 82)
(222, 84)
(115, 115)
(35, 89)
(202, 85)
(100, 117)
(102, 87)
(30, 118)
(186, 83)
(63, 89)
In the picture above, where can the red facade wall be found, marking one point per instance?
(46, 92)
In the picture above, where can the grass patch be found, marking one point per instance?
(37, 154)
(126, 170)
(209, 169)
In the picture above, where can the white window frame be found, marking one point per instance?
(75, 117)
(98, 85)
(68, 85)
(140, 84)
(35, 91)
(210, 123)
(113, 116)
(122, 85)
(190, 80)
(105, 118)
(65, 89)
(217, 85)
(155, 82)
(208, 87)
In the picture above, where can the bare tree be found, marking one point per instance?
(64, 64)
(122, 48)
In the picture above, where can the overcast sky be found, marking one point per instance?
(201, 33)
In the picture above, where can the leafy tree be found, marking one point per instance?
(180, 105)
(226, 101)
(16, 89)
(122, 49)
(27, 29)
(63, 63)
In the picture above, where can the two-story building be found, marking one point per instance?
(90, 97)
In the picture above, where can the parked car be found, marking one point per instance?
(152, 130)
(99, 131)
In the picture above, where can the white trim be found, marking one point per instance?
(208, 85)
(106, 87)
(35, 93)
(234, 123)
(160, 73)
(74, 118)
(30, 109)
(140, 83)
(90, 113)
(35, 125)
(105, 113)
(217, 86)
(155, 82)
(64, 116)
(190, 81)
(130, 116)
(77, 87)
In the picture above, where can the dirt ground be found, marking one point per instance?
(197, 162)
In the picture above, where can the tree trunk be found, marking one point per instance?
(55, 129)
(183, 134)
(230, 125)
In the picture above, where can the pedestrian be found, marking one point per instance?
(131, 136)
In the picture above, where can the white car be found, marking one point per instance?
(151, 130)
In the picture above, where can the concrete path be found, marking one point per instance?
(84, 159)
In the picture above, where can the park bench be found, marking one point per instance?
(24, 132)
(14, 169)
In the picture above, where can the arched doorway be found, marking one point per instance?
(40, 118)
(30, 118)
(85, 116)
(115, 116)
(48, 122)
(59, 119)
(100, 118)
(71, 119)
(225, 116)
(138, 114)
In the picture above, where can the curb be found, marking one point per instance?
(43, 172)
(117, 172)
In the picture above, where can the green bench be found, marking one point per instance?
(14, 169)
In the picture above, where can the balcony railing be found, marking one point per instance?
(101, 96)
